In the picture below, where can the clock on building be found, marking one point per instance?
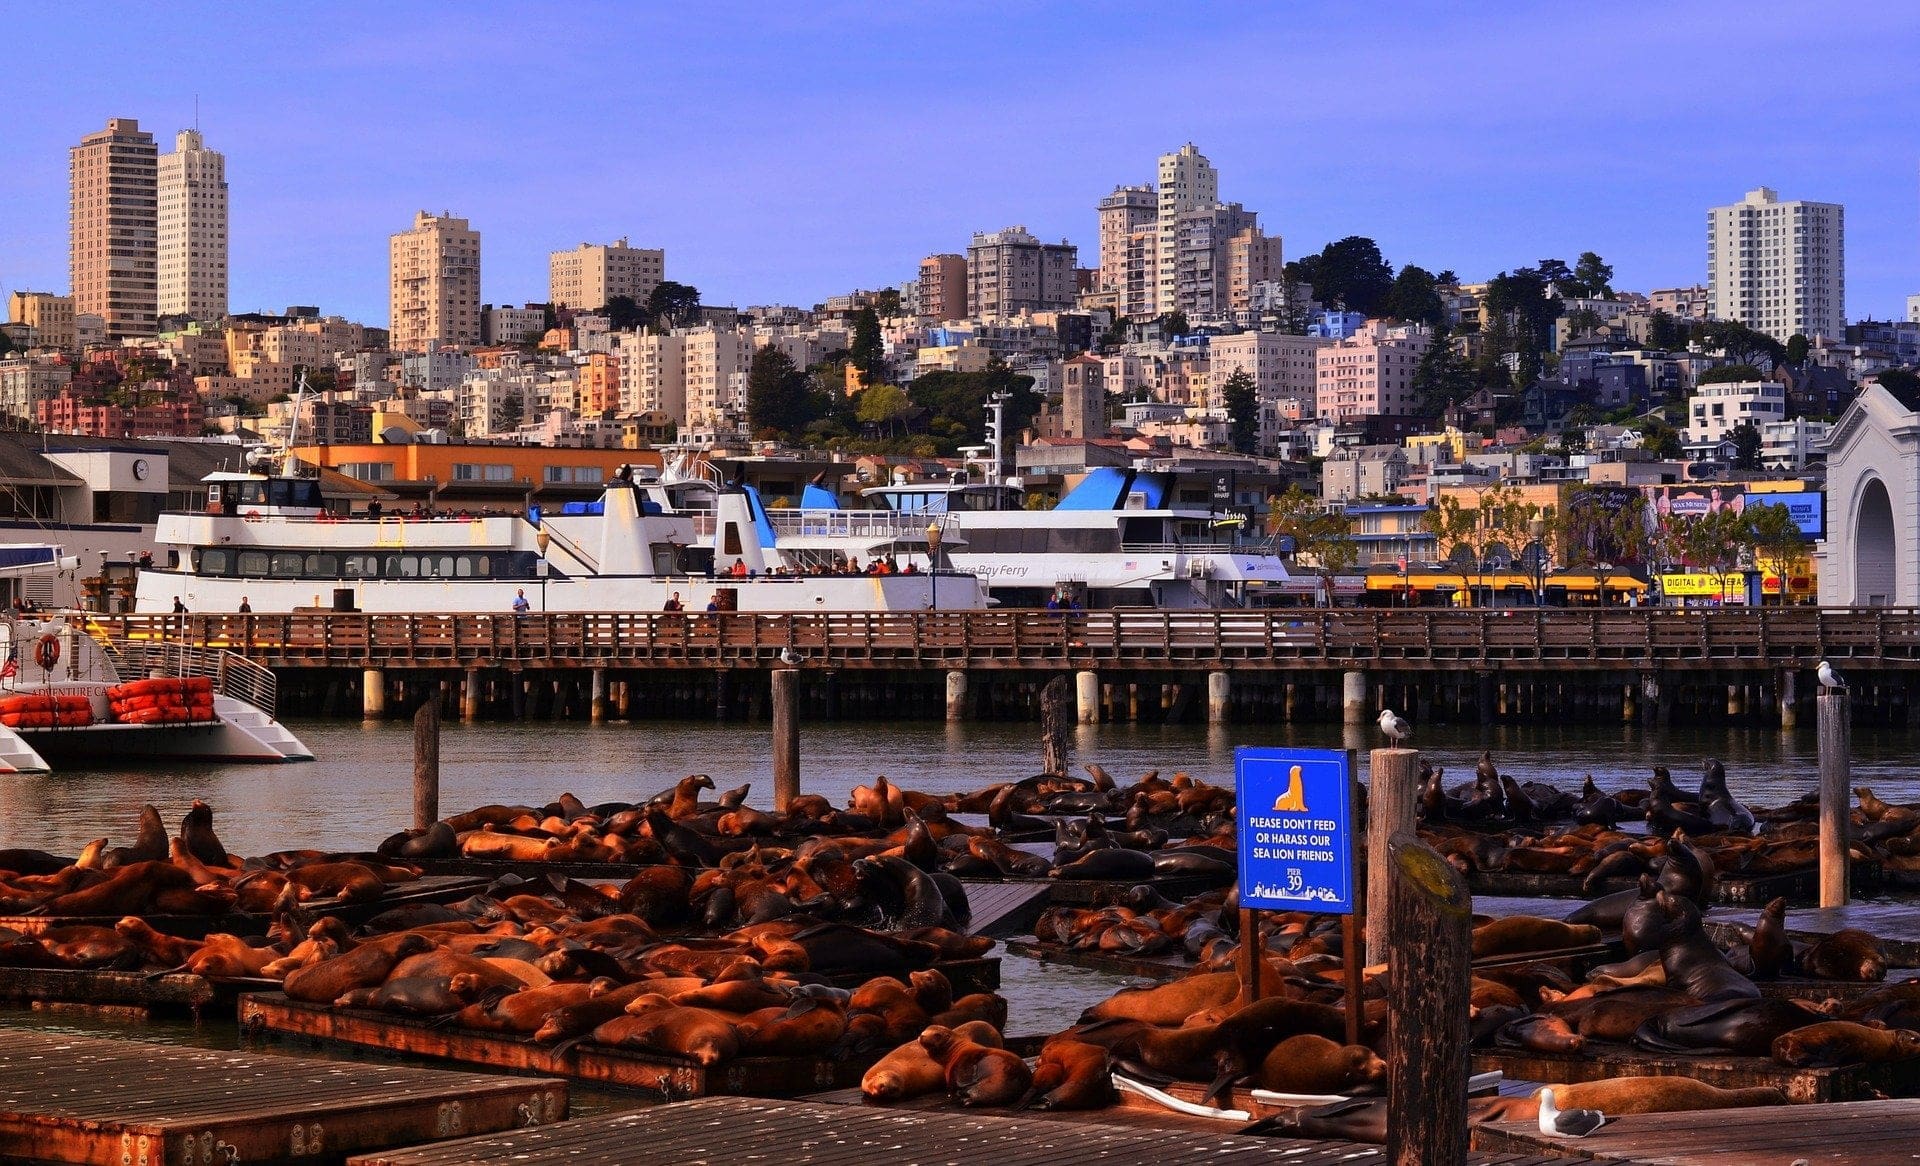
(140, 469)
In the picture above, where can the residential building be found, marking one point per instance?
(510, 325)
(50, 316)
(434, 296)
(951, 358)
(1186, 181)
(943, 287)
(1778, 267)
(1200, 257)
(1010, 271)
(653, 374)
(717, 362)
(1686, 302)
(25, 381)
(1129, 209)
(1371, 372)
(1913, 309)
(1793, 445)
(592, 274)
(1364, 471)
(1283, 368)
(599, 384)
(113, 224)
(192, 197)
(1253, 259)
(1083, 397)
(1716, 409)
(1334, 324)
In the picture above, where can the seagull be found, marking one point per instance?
(1828, 677)
(1571, 1123)
(1394, 726)
(790, 657)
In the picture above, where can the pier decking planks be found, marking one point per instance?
(87, 1100)
(1598, 1062)
(1003, 909)
(739, 1131)
(1855, 1133)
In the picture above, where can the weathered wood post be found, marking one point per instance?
(1056, 725)
(786, 737)
(426, 764)
(1836, 793)
(956, 696)
(1430, 917)
(1393, 795)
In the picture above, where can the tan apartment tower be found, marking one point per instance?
(112, 222)
(193, 229)
(1187, 181)
(1010, 271)
(943, 287)
(434, 284)
(50, 316)
(590, 275)
(1127, 210)
(1778, 267)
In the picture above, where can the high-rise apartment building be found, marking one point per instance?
(1913, 309)
(112, 220)
(1010, 271)
(434, 284)
(1370, 373)
(943, 287)
(1187, 181)
(50, 316)
(1127, 210)
(1778, 267)
(1201, 237)
(589, 276)
(1252, 259)
(192, 225)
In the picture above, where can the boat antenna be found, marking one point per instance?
(293, 428)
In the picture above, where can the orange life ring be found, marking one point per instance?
(253, 516)
(46, 652)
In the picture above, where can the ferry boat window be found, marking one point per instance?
(323, 566)
(436, 566)
(253, 563)
(730, 543)
(212, 562)
(286, 565)
(294, 492)
(360, 567)
(248, 493)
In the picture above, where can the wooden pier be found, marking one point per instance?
(1858, 1133)
(133, 1103)
(743, 1132)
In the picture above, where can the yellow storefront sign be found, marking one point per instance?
(1694, 585)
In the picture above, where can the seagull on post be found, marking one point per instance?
(1828, 677)
(1394, 726)
(1567, 1123)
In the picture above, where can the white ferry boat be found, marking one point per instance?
(66, 696)
(266, 543)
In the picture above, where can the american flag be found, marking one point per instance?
(12, 665)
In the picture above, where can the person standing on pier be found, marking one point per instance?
(520, 604)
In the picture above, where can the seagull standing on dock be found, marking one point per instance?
(1569, 1123)
(1394, 726)
(1828, 677)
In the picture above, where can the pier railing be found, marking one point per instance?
(1132, 639)
(232, 673)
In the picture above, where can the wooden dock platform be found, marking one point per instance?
(1896, 924)
(1856, 1133)
(1599, 1062)
(739, 1131)
(123, 1103)
(1000, 910)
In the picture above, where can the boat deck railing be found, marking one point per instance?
(232, 674)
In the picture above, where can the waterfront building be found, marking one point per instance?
(1778, 267)
(1010, 271)
(113, 225)
(192, 227)
(592, 274)
(50, 316)
(1364, 471)
(434, 284)
(942, 291)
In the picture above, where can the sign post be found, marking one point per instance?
(1295, 825)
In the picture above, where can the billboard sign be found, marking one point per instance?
(1296, 829)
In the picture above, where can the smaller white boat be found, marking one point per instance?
(68, 696)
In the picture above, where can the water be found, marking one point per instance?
(358, 791)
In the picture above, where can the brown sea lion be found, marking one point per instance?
(807, 1027)
(987, 1006)
(1769, 950)
(903, 1074)
(91, 948)
(1523, 933)
(365, 966)
(523, 1012)
(1541, 1033)
(129, 889)
(1315, 1065)
(1848, 954)
(977, 1074)
(441, 964)
(1070, 1074)
(149, 846)
(1832, 1043)
(349, 882)
(1617, 1096)
(225, 957)
(571, 1021)
(686, 796)
(705, 1036)
(1168, 1003)
(1616, 1015)
(196, 832)
(416, 995)
(156, 950)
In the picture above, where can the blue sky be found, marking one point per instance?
(784, 153)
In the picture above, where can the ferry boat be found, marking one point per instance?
(68, 696)
(1118, 538)
(652, 542)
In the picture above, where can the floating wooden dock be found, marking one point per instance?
(134, 1103)
(426, 889)
(1855, 1133)
(1173, 965)
(1755, 891)
(739, 1131)
(658, 1075)
(1895, 924)
(118, 990)
(1599, 1062)
(1000, 910)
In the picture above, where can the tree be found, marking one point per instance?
(1797, 348)
(886, 301)
(1174, 323)
(624, 314)
(1582, 322)
(1294, 293)
(1666, 333)
(1467, 537)
(1594, 277)
(673, 305)
(867, 351)
(6, 343)
(1898, 380)
(1415, 297)
(1243, 412)
(1740, 344)
(1746, 445)
(882, 405)
(1728, 374)
(776, 393)
(1779, 545)
(1659, 439)
(1322, 538)
(1442, 378)
(1559, 275)
(1350, 273)
(1602, 530)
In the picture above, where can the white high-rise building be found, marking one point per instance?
(193, 229)
(1913, 309)
(1187, 181)
(1778, 267)
(434, 284)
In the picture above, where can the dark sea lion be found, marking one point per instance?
(976, 1074)
(196, 831)
(1358, 1120)
(1070, 1074)
(1192, 862)
(33, 862)
(1693, 964)
(1848, 954)
(1616, 1015)
(1832, 1043)
(149, 846)
(1541, 1033)
(1769, 950)
(416, 995)
(1642, 923)
(1111, 863)
(908, 896)
(1523, 933)
(1686, 871)
(1312, 1064)
(1739, 1027)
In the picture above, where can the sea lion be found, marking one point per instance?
(1313, 1064)
(1109, 863)
(1616, 1015)
(571, 1021)
(225, 957)
(1739, 1027)
(1070, 1074)
(907, 895)
(34, 862)
(807, 1027)
(149, 846)
(1848, 954)
(1541, 1033)
(1693, 964)
(1769, 950)
(1168, 1003)
(134, 888)
(1617, 1096)
(1686, 871)
(909, 1071)
(90, 948)
(706, 1036)
(196, 833)
(976, 1074)
(365, 966)
(1524, 933)
(156, 950)
(1832, 1043)
(416, 995)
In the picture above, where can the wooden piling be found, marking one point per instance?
(426, 764)
(1430, 919)
(1836, 794)
(1393, 794)
(786, 737)
(1056, 725)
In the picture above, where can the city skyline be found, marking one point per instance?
(795, 156)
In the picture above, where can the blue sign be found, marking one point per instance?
(1296, 829)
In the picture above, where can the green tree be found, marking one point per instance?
(624, 314)
(886, 301)
(1594, 276)
(1442, 378)
(1466, 536)
(1741, 344)
(1746, 445)
(1350, 273)
(956, 404)
(1602, 530)
(1582, 322)
(882, 405)
(1322, 538)
(867, 351)
(1174, 323)
(1797, 348)
(673, 305)
(1666, 333)
(6, 343)
(1898, 380)
(1779, 545)
(1660, 439)
(1415, 297)
(1557, 273)
(1521, 298)
(1243, 412)
(1728, 374)
(776, 394)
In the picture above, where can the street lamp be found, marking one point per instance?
(542, 540)
(933, 564)
(1603, 570)
(1537, 530)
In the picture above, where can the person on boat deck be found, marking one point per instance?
(713, 604)
(520, 604)
(739, 568)
(146, 560)
(179, 608)
(245, 605)
(374, 508)
(674, 604)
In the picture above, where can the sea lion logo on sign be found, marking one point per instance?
(1297, 856)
